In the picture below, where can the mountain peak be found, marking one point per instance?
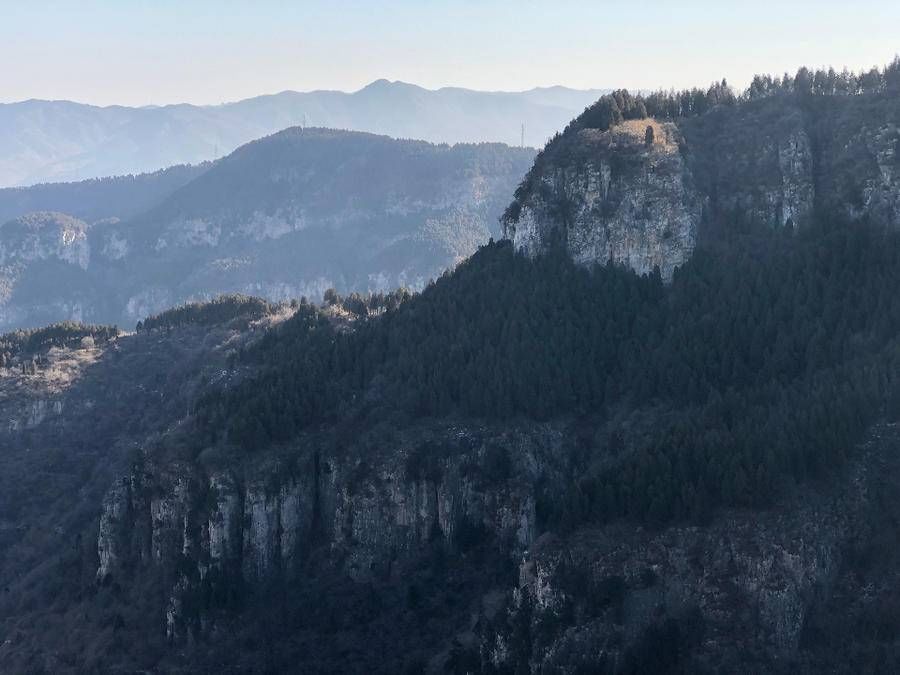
(386, 85)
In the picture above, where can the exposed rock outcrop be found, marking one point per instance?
(643, 200)
(286, 216)
(45, 236)
(624, 200)
(738, 590)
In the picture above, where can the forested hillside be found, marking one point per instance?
(96, 199)
(762, 364)
(641, 179)
(392, 459)
(549, 460)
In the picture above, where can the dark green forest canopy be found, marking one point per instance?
(218, 310)
(63, 334)
(765, 359)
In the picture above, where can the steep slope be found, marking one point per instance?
(73, 411)
(640, 179)
(624, 198)
(44, 141)
(289, 215)
(780, 160)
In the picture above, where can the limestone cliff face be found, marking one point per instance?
(214, 528)
(881, 190)
(861, 165)
(626, 200)
(55, 242)
(784, 197)
(776, 163)
(773, 163)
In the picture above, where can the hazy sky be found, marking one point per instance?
(208, 51)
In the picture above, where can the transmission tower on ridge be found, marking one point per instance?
(522, 143)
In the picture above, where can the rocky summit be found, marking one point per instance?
(633, 201)
(641, 191)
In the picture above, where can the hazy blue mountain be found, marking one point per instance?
(289, 215)
(64, 141)
(96, 199)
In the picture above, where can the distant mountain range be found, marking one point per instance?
(289, 215)
(44, 141)
(546, 462)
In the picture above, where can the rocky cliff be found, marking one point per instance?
(743, 589)
(242, 526)
(625, 199)
(59, 246)
(423, 543)
(642, 192)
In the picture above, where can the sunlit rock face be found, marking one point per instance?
(645, 200)
(43, 251)
(624, 200)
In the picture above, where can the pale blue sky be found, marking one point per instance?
(209, 51)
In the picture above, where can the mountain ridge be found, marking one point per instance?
(640, 180)
(288, 215)
(73, 141)
(378, 82)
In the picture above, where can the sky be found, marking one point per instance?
(133, 52)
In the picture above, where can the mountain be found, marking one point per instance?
(552, 459)
(466, 477)
(43, 141)
(119, 197)
(641, 180)
(293, 214)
